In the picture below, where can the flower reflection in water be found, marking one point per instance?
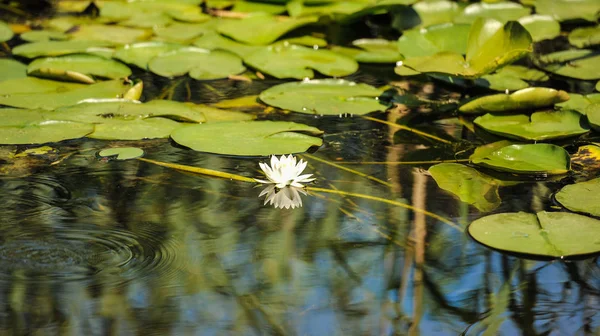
(284, 198)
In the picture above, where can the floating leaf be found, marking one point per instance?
(523, 159)
(491, 45)
(43, 35)
(539, 126)
(468, 184)
(499, 82)
(549, 234)
(5, 32)
(523, 72)
(579, 102)
(324, 97)
(11, 69)
(581, 197)
(261, 29)
(372, 51)
(56, 48)
(183, 32)
(529, 98)
(122, 153)
(587, 157)
(42, 131)
(291, 61)
(59, 67)
(136, 129)
(436, 12)
(213, 40)
(447, 37)
(53, 100)
(35, 85)
(249, 138)
(114, 35)
(212, 114)
(577, 63)
(258, 7)
(502, 11)
(585, 37)
(592, 112)
(201, 64)
(563, 10)
(139, 54)
(541, 27)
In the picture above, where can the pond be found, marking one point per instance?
(451, 195)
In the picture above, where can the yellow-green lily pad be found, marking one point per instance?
(502, 11)
(541, 27)
(90, 65)
(201, 64)
(122, 153)
(56, 48)
(529, 98)
(5, 32)
(139, 54)
(44, 35)
(563, 10)
(42, 131)
(115, 35)
(585, 37)
(371, 51)
(261, 29)
(137, 129)
(448, 37)
(324, 97)
(11, 69)
(214, 40)
(576, 63)
(248, 138)
(581, 197)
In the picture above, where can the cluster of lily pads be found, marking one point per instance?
(70, 78)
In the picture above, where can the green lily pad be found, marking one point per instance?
(291, 61)
(11, 69)
(248, 138)
(523, 72)
(337, 10)
(598, 86)
(139, 54)
(201, 64)
(114, 35)
(53, 100)
(43, 131)
(122, 153)
(548, 234)
(213, 40)
(324, 97)
(523, 159)
(579, 63)
(585, 37)
(592, 111)
(261, 29)
(436, 11)
(468, 184)
(434, 39)
(43, 35)
(499, 82)
(183, 32)
(581, 197)
(502, 11)
(563, 10)
(137, 129)
(5, 32)
(35, 85)
(56, 48)
(147, 20)
(541, 27)
(491, 45)
(213, 114)
(90, 65)
(529, 98)
(539, 126)
(258, 7)
(579, 102)
(371, 51)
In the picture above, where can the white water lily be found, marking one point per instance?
(285, 171)
(287, 197)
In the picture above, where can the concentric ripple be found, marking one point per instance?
(84, 254)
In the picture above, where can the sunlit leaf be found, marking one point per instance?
(137, 129)
(249, 138)
(587, 157)
(183, 32)
(122, 153)
(502, 11)
(434, 39)
(576, 63)
(291, 61)
(5, 32)
(56, 48)
(592, 111)
(541, 27)
(581, 197)
(11, 69)
(261, 29)
(114, 35)
(585, 37)
(563, 10)
(523, 159)
(43, 35)
(213, 40)
(200, 63)
(56, 67)
(436, 11)
(35, 85)
(41, 131)
(529, 98)
(372, 51)
(468, 184)
(579, 102)
(139, 54)
(324, 97)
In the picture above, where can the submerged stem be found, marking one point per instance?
(409, 129)
(199, 170)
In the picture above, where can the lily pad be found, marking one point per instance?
(43, 35)
(539, 126)
(122, 153)
(548, 234)
(43, 132)
(56, 48)
(111, 34)
(183, 32)
(90, 65)
(448, 37)
(468, 184)
(5, 32)
(261, 29)
(53, 100)
(137, 129)
(139, 54)
(523, 159)
(372, 51)
(563, 10)
(579, 102)
(35, 85)
(502, 11)
(577, 63)
(324, 97)
(529, 98)
(436, 11)
(523, 72)
(581, 197)
(292, 61)
(499, 82)
(491, 45)
(592, 112)
(248, 138)
(213, 40)
(201, 64)
(585, 37)
(541, 27)
(11, 69)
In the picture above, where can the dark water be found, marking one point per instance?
(89, 247)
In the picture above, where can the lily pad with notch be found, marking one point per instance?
(581, 197)
(139, 54)
(249, 138)
(200, 63)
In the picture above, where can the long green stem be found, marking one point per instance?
(198, 170)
